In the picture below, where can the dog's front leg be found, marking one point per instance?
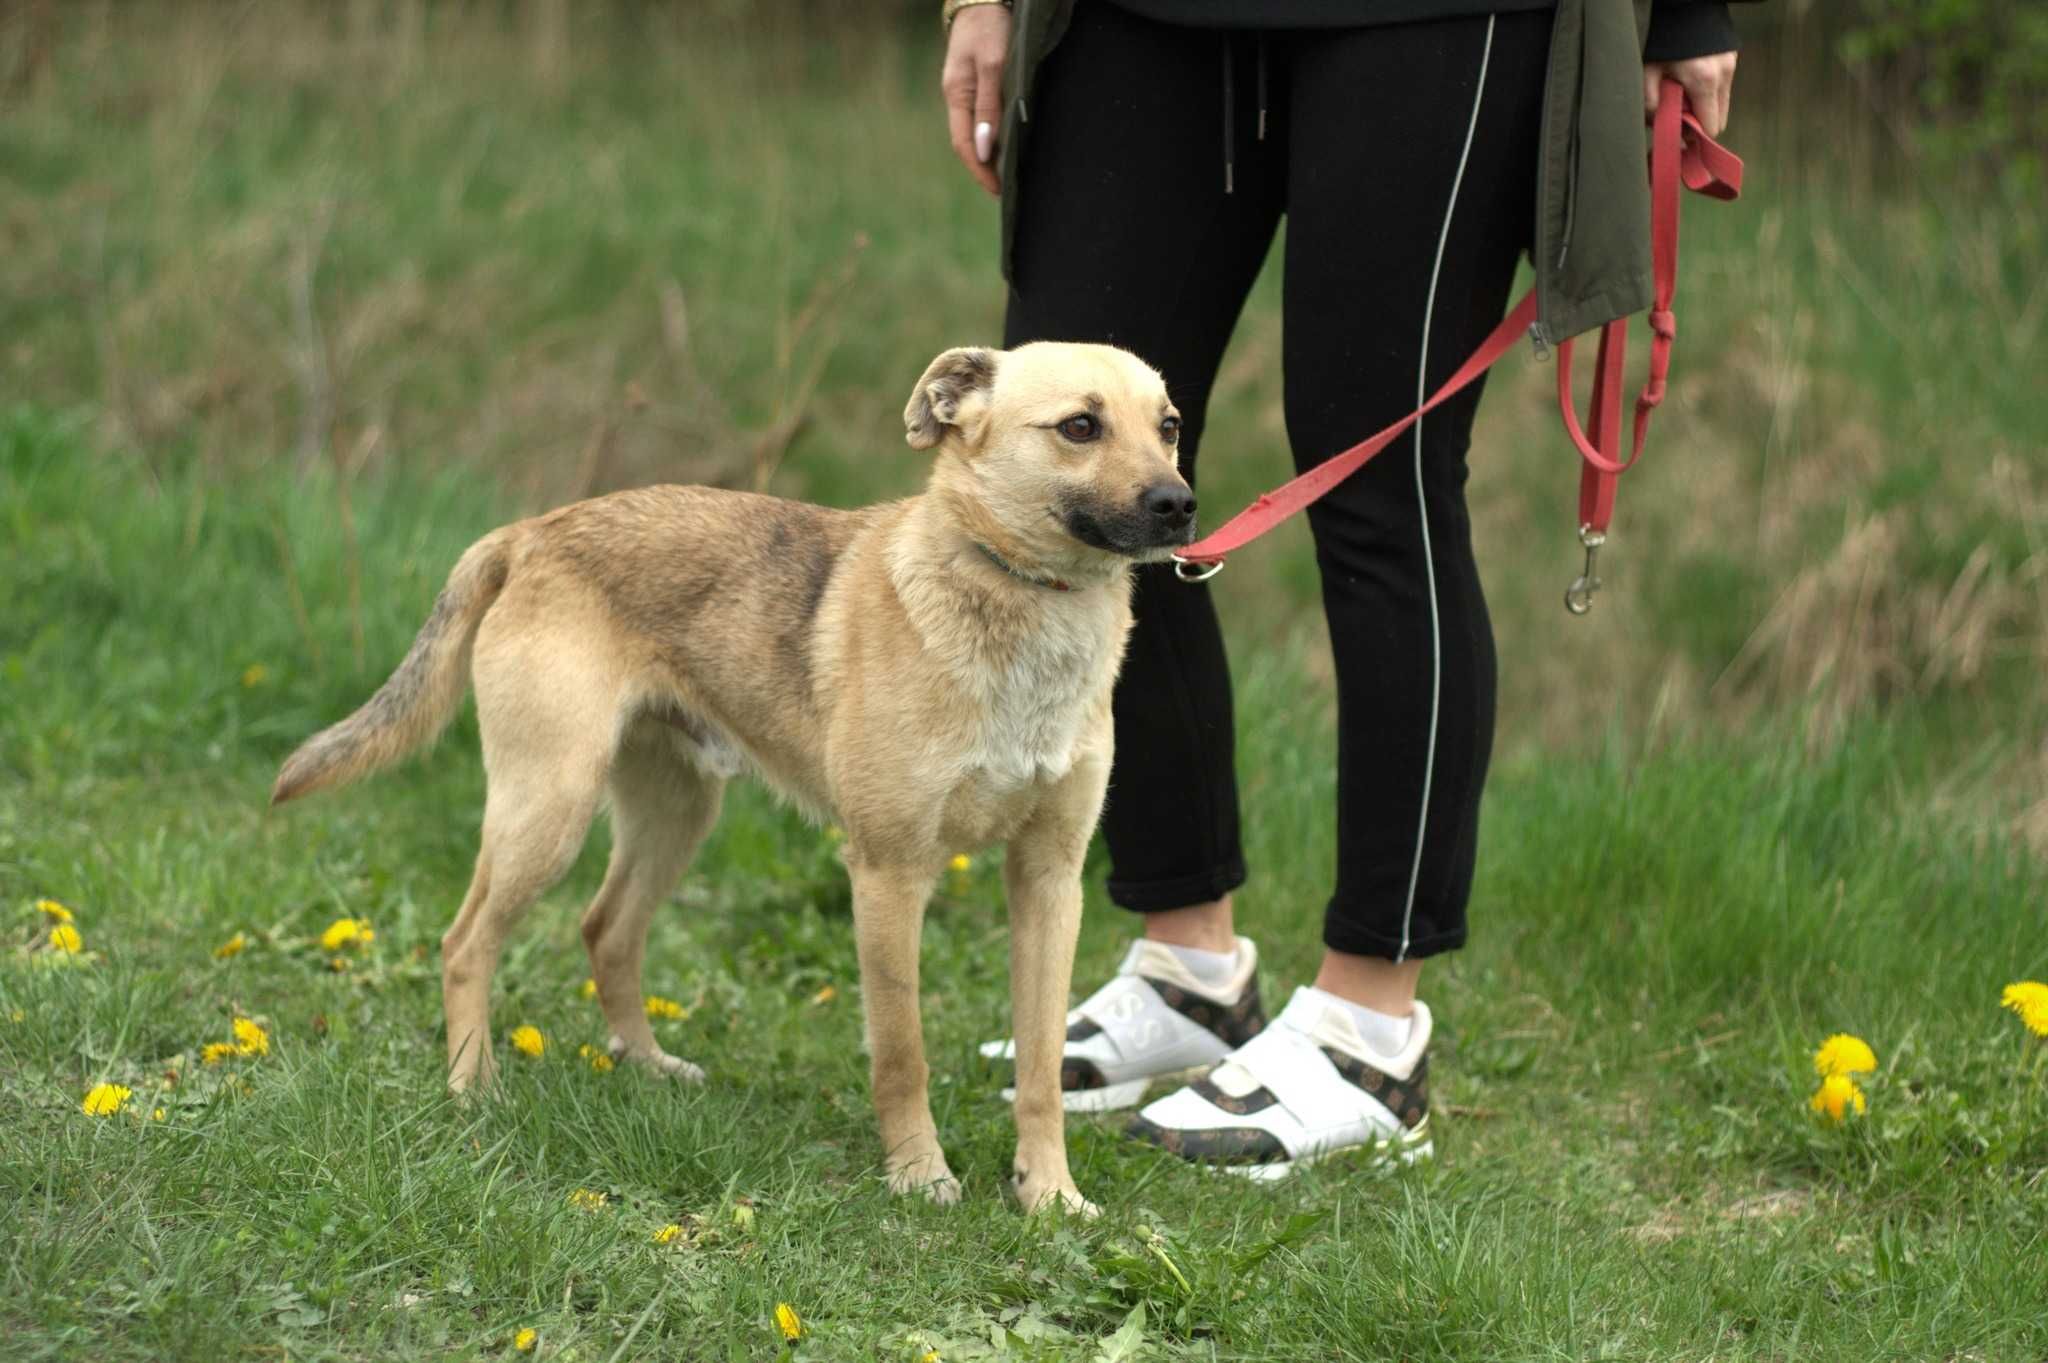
(888, 921)
(1042, 877)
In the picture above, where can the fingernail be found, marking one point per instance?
(984, 142)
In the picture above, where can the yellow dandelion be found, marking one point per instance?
(54, 910)
(104, 1100)
(597, 1059)
(526, 1339)
(65, 938)
(157, 1115)
(347, 932)
(931, 1356)
(213, 1052)
(787, 1321)
(667, 1233)
(588, 989)
(255, 674)
(251, 1039)
(18, 1015)
(1836, 1096)
(825, 995)
(2029, 999)
(234, 946)
(961, 863)
(659, 1007)
(1843, 1055)
(587, 1200)
(529, 1041)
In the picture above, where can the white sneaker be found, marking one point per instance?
(1305, 1088)
(1154, 1020)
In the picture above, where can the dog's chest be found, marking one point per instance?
(1033, 703)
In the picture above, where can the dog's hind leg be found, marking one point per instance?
(546, 766)
(662, 806)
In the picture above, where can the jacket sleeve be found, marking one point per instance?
(1680, 29)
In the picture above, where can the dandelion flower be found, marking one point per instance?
(250, 1039)
(787, 1321)
(18, 1015)
(157, 1115)
(961, 863)
(54, 910)
(529, 1041)
(525, 1340)
(588, 989)
(254, 675)
(931, 1356)
(2029, 999)
(1837, 1095)
(234, 946)
(586, 1200)
(598, 1060)
(345, 932)
(659, 1007)
(213, 1052)
(65, 938)
(667, 1233)
(104, 1100)
(1843, 1055)
(825, 995)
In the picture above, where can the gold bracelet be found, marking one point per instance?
(953, 7)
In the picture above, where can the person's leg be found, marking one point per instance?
(1126, 236)
(1402, 245)
(1410, 191)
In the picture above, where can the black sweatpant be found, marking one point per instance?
(1404, 159)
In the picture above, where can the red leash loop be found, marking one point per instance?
(1681, 153)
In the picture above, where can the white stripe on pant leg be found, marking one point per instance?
(1436, 637)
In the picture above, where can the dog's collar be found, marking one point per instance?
(1050, 583)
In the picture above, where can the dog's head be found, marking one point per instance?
(1070, 451)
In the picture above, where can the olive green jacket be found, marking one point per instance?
(1592, 242)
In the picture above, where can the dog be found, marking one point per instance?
(932, 674)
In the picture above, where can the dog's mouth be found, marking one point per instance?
(1129, 534)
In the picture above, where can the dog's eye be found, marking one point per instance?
(1169, 430)
(1080, 428)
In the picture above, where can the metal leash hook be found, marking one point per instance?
(1187, 570)
(1578, 598)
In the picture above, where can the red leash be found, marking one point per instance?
(1680, 152)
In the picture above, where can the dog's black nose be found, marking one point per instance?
(1169, 502)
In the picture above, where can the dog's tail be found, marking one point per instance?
(417, 701)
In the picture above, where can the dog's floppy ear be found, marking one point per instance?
(953, 392)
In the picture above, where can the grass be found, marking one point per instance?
(306, 298)
(1628, 1169)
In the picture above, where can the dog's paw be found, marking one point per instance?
(929, 1176)
(657, 1062)
(1036, 1196)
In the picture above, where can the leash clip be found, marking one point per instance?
(1578, 598)
(1187, 570)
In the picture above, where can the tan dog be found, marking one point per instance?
(934, 674)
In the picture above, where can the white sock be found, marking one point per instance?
(1210, 967)
(1385, 1033)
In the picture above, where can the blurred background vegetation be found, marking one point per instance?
(560, 248)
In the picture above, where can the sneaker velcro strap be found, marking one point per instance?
(1297, 1072)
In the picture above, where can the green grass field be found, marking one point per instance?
(299, 301)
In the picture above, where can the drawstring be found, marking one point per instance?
(1230, 107)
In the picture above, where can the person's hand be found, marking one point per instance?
(972, 82)
(1707, 82)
